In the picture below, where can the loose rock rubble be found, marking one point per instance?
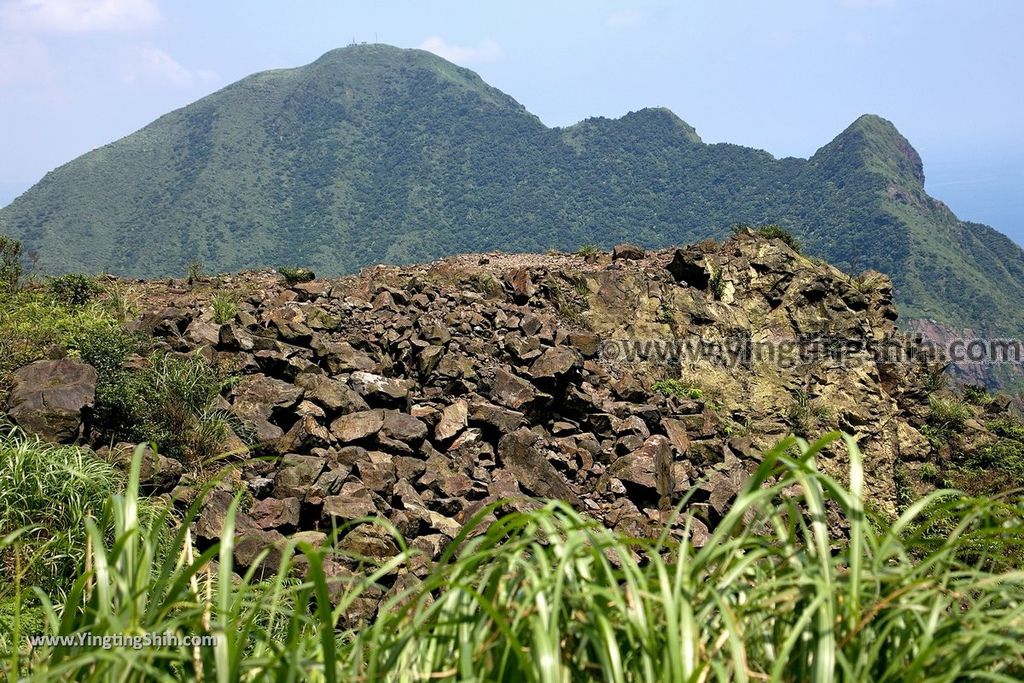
(423, 394)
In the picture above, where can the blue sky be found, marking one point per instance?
(785, 75)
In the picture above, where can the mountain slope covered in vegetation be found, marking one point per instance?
(375, 154)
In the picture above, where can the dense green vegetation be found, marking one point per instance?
(374, 154)
(545, 595)
(168, 399)
(66, 316)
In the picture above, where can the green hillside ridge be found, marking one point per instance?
(378, 154)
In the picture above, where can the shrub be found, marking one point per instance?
(935, 379)
(947, 416)
(10, 264)
(771, 231)
(805, 414)
(486, 284)
(294, 276)
(107, 350)
(868, 282)
(717, 284)
(774, 232)
(31, 324)
(196, 271)
(73, 289)
(1007, 426)
(677, 388)
(170, 401)
(1004, 455)
(225, 307)
(977, 395)
(120, 303)
(588, 251)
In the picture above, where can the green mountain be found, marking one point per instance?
(375, 154)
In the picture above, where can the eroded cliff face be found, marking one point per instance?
(976, 359)
(617, 382)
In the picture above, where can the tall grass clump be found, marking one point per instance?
(225, 307)
(796, 583)
(47, 492)
(171, 402)
(947, 417)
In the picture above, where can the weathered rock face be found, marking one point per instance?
(423, 394)
(51, 398)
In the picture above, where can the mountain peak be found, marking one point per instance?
(375, 154)
(381, 68)
(665, 116)
(874, 142)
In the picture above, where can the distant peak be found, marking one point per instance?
(876, 143)
(377, 52)
(659, 120)
(665, 115)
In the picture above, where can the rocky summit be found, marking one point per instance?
(618, 382)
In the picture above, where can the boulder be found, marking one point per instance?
(332, 395)
(258, 399)
(556, 364)
(521, 283)
(305, 435)
(209, 525)
(520, 454)
(358, 426)
(53, 398)
(157, 473)
(340, 356)
(685, 267)
(500, 419)
(296, 475)
(627, 252)
(200, 333)
(380, 390)
(403, 427)
(272, 513)
(511, 391)
(353, 502)
(250, 544)
(454, 418)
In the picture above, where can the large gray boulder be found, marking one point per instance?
(52, 398)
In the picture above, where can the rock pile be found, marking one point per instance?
(422, 394)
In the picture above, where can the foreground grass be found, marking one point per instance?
(547, 595)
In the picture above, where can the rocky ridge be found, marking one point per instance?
(422, 394)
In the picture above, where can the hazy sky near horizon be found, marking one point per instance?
(785, 76)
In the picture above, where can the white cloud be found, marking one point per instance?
(485, 51)
(627, 18)
(153, 64)
(78, 16)
(867, 4)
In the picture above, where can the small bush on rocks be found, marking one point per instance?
(74, 289)
(294, 276)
